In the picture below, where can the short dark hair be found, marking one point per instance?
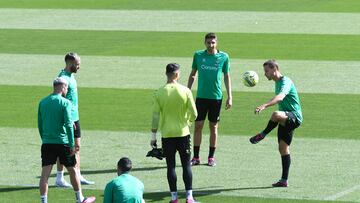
(271, 64)
(124, 164)
(210, 35)
(71, 56)
(172, 68)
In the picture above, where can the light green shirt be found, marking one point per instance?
(210, 68)
(291, 102)
(124, 189)
(175, 104)
(54, 120)
(72, 93)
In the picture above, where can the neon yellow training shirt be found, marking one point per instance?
(176, 107)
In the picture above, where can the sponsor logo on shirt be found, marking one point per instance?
(205, 67)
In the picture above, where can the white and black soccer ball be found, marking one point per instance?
(250, 78)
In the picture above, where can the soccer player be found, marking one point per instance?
(175, 105)
(72, 62)
(56, 131)
(125, 188)
(210, 65)
(287, 118)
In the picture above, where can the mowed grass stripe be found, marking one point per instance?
(179, 44)
(148, 72)
(255, 168)
(238, 5)
(181, 21)
(130, 110)
(56, 195)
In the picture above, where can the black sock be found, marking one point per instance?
(270, 126)
(285, 160)
(196, 151)
(211, 152)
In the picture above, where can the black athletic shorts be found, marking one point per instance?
(180, 144)
(286, 132)
(211, 107)
(77, 131)
(50, 153)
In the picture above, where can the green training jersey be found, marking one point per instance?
(54, 120)
(210, 68)
(291, 102)
(72, 93)
(124, 189)
(175, 104)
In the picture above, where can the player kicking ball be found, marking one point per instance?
(287, 118)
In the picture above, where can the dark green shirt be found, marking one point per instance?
(124, 189)
(291, 102)
(210, 68)
(72, 93)
(54, 120)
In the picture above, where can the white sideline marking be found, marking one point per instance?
(343, 193)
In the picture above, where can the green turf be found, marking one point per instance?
(10, 194)
(181, 21)
(308, 76)
(255, 5)
(250, 169)
(130, 110)
(116, 43)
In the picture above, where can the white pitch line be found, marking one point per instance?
(343, 193)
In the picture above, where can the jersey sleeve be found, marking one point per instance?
(226, 66)
(69, 124)
(285, 87)
(108, 193)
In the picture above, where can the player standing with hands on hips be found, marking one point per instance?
(210, 64)
(175, 105)
(287, 118)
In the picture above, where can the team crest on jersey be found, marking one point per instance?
(203, 60)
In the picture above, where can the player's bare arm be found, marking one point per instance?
(191, 78)
(227, 81)
(276, 99)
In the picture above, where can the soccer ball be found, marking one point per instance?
(250, 78)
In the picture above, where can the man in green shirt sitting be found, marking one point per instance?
(56, 131)
(125, 188)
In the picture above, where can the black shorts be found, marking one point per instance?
(180, 144)
(286, 132)
(77, 131)
(50, 153)
(211, 107)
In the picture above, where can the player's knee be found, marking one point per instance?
(284, 150)
(199, 126)
(276, 116)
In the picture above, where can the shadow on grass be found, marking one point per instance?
(199, 192)
(88, 172)
(15, 189)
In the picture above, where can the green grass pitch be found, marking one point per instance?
(122, 68)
